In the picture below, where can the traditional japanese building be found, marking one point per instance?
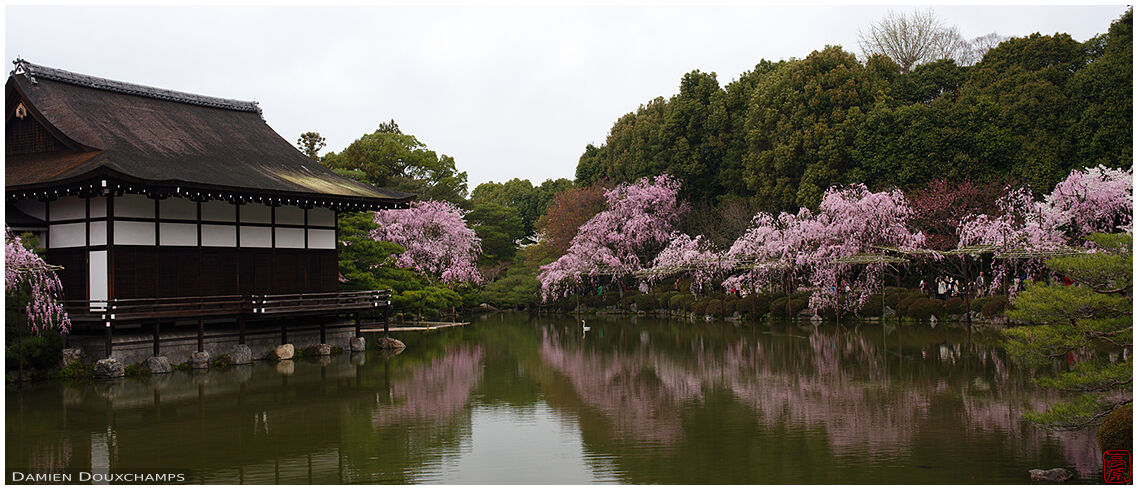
(170, 202)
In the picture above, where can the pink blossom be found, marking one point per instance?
(1087, 201)
(22, 267)
(1098, 199)
(435, 238)
(692, 256)
(806, 247)
(618, 240)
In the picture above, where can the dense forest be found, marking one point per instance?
(1031, 110)
(1024, 112)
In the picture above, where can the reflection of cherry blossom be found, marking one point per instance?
(434, 392)
(838, 381)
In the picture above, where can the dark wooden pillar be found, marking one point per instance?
(240, 329)
(386, 321)
(110, 333)
(357, 318)
(323, 325)
(157, 336)
(284, 333)
(201, 335)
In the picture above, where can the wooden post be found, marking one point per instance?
(386, 321)
(201, 334)
(284, 334)
(156, 337)
(240, 329)
(322, 330)
(110, 333)
(357, 319)
(897, 314)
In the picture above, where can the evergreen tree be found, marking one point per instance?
(1068, 323)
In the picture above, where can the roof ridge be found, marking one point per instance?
(32, 71)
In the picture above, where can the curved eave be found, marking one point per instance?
(107, 180)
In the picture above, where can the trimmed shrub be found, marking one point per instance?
(714, 308)
(778, 306)
(593, 301)
(978, 303)
(611, 298)
(675, 302)
(762, 304)
(627, 302)
(665, 298)
(730, 306)
(994, 306)
(1117, 429)
(699, 307)
(871, 306)
(954, 306)
(923, 308)
(906, 307)
(686, 301)
(645, 302)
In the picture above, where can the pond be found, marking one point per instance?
(515, 398)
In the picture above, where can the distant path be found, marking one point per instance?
(416, 327)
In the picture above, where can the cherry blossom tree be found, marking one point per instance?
(806, 247)
(690, 256)
(25, 270)
(1025, 230)
(436, 239)
(638, 220)
(855, 221)
(1097, 199)
(774, 251)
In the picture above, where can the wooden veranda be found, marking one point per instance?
(106, 314)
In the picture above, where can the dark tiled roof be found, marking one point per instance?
(146, 135)
(33, 72)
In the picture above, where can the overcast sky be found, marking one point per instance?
(507, 91)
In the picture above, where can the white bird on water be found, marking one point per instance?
(584, 327)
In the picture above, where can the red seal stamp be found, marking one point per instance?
(1116, 466)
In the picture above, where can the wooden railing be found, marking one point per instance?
(341, 301)
(230, 305)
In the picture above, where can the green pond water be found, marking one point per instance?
(514, 398)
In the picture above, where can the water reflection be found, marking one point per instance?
(649, 401)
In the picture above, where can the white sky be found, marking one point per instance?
(508, 91)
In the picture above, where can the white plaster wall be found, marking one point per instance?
(322, 239)
(69, 207)
(177, 208)
(133, 232)
(131, 206)
(290, 215)
(321, 217)
(290, 238)
(98, 207)
(219, 236)
(256, 236)
(98, 233)
(178, 234)
(69, 235)
(255, 213)
(219, 211)
(97, 274)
